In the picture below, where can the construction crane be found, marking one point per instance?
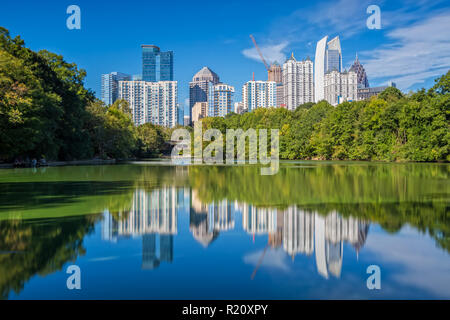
(258, 264)
(260, 54)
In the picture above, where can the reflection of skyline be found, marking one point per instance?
(153, 215)
(207, 220)
(303, 232)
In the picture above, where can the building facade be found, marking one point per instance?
(363, 81)
(340, 87)
(259, 94)
(199, 111)
(156, 65)
(151, 102)
(298, 82)
(198, 87)
(220, 99)
(276, 74)
(367, 93)
(333, 55)
(328, 58)
(110, 86)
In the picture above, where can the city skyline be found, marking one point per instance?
(118, 48)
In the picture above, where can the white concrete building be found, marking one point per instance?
(298, 82)
(154, 102)
(220, 99)
(259, 94)
(340, 87)
(328, 58)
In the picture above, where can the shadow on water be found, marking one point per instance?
(25, 195)
(39, 247)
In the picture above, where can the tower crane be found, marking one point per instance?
(261, 55)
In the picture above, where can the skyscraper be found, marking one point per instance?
(298, 82)
(259, 94)
(156, 65)
(333, 57)
(110, 86)
(220, 99)
(328, 58)
(238, 107)
(154, 102)
(198, 87)
(357, 67)
(340, 87)
(319, 70)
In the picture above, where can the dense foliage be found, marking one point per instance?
(390, 127)
(45, 111)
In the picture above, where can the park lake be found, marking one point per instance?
(153, 230)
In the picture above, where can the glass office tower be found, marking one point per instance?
(333, 60)
(110, 86)
(156, 65)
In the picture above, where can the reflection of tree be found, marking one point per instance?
(38, 247)
(389, 194)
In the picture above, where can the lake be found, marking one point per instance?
(151, 230)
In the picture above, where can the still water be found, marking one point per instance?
(156, 231)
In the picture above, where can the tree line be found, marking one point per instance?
(45, 111)
(390, 127)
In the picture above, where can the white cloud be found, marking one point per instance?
(416, 46)
(271, 53)
(275, 259)
(415, 54)
(420, 263)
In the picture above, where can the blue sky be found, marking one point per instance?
(412, 47)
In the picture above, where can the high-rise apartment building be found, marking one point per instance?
(298, 82)
(110, 86)
(220, 99)
(198, 87)
(259, 94)
(328, 58)
(156, 65)
(340, 86)
(153, 102)
(357, 67)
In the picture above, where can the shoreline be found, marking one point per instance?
(63, 163)
(115, 161)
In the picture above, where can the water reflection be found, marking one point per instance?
(154, 215)
(227, 219)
